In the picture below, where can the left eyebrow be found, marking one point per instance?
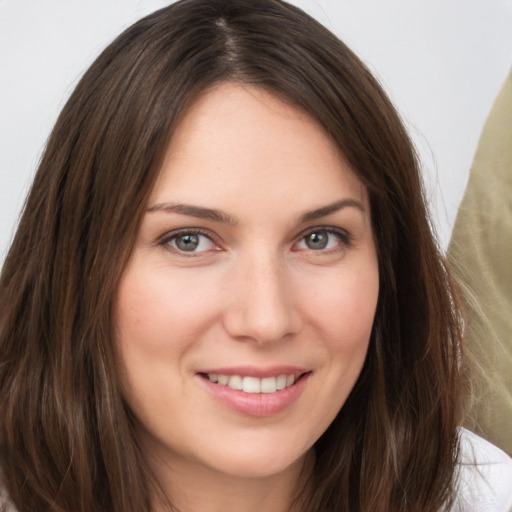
(331, 208)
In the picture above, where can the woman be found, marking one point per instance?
(224, 291)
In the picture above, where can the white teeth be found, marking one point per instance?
(281, 382)
(253, 384)
(235, 382)
(268, 385)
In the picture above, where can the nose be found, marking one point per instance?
(261, 304)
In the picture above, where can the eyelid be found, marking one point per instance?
(164, 240)
(346, 239)
(345, 236)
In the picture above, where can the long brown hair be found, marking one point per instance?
(66, 437)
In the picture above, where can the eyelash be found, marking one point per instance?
(168, 237)
(346, 239)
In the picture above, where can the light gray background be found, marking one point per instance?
(442, 62)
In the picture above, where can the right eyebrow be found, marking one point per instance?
(194, 211)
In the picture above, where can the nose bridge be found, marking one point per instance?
(261, 307)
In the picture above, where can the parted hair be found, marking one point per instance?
(67, 438)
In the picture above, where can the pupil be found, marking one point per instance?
(187, 242)
(317, 240)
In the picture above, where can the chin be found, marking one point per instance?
(260, 466)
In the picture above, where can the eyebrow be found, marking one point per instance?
(332, 208)
(194, 211)
(224, 218)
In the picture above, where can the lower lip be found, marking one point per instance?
(257, 404)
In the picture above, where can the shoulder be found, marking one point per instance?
(484, 476)
(5, 504)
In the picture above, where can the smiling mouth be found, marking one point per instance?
(249, 384)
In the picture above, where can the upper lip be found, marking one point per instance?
(254, 371)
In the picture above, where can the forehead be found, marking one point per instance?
(239, 141)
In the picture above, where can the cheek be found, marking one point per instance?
(340, 310)
(343, 307)
(160, 312)
(160, 318)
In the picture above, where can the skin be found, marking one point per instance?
(255, 292)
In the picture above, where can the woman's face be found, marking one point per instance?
(244, 314)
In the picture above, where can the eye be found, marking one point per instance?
(323, 239)
(188, 242)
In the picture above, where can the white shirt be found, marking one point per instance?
(485, 476)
